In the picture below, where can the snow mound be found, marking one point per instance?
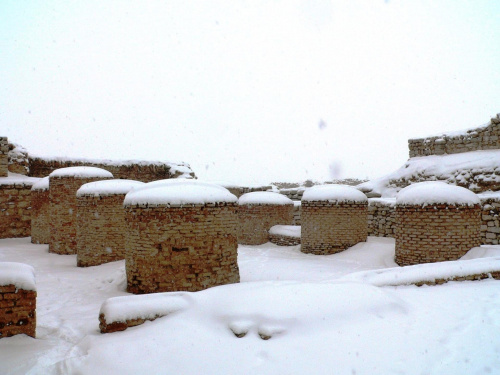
(108, 187)
(41, 185)
(81, 172)
(286, 230)
(19, 274)
(264, 197)
(434, 192)
(336, 193)
(18, 180)
(429, 272)
(178, 192)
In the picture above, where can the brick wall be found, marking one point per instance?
(435, 233)
(490, 221)
(482, 138)
(15, 208)
(63, 209)
(328, 228)
(40, 216)
(283, 240)
(4, 157)
(181, 248)
(255, 220)
(101, 229)
(381, 217)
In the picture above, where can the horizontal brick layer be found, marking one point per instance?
(40, 219)
(17, 311)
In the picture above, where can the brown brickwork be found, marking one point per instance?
(283, 240)
(435, 233)
(17, 311)
(15, 209)
(329, 228)
(381, 217)
(4, 157)
(40, 219)
(186, 248)
(255, 220)
(63, 209)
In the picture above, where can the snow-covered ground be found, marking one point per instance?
(318, 321)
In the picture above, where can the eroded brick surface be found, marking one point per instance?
(15, 210)
(40, 216)
(17, 311)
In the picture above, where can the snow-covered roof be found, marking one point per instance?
(41, 185)
(335, 193)
(18, 180)
(264, 197)
(81, 172)
(19, 274)
(286, 230)
(436, 192)
(108, 187)
(178, 192)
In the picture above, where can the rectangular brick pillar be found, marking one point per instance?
(4, 157)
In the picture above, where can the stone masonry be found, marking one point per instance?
(436, 232)
(4, 157)
(187, 248)
(40, 211)
(63, 208)
(381, 217)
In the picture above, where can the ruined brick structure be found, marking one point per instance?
(4, 157)
(63, 185)
(334, 217)
(381, 217)
(285, 235)
(17, 300)
(101, 226)
(258, 212)
(15, 207)
(430, 229)
(181, 236)
(40, 211)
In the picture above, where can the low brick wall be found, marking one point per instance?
(40, 212)
(282, 240)
(255, 220)
(296, 212)
(486, 137)
(4, 157)
(15, 208)
(186, 248)
(329, 228)
(490, 219)
(435, 233)
(381, 217)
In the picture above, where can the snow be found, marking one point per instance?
(178, 192)
(41, 185)
(264, 197)
(336, 193)
(434, 192)
(314, 319)
(18, 180)
(18, 274)
(108, 187)
(286, 230)
(456, 133)
(81, 172)
(391, 202)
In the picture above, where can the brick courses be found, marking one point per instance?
(4, 157)
(15, 208)
(40, 215)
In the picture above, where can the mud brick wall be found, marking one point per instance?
(490, 221)
(381, 217)
(140, 171)
(17, 311)
(255, 220)
(482, 138)
(15, 209)
(282, 240)
(296, 212)
(4, 157)
(435, 233)
(329, 228)
(186, 248)
(101, 229)
(40, 216)
(63, 209)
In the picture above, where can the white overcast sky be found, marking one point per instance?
(246, 91)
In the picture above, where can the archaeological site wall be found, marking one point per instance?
(15, 207)
(4, 157)
(40, 212)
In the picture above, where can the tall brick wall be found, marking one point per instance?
(436, 232)
(40, 215)
(181, 248)
(63, 209)
(328, 228)
(15, 208)
(482, 138)
(4, 157)
(255, 220)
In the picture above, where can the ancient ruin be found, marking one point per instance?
(40, 211)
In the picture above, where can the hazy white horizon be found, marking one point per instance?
(246, 91)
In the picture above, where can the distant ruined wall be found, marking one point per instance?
(482, 138)
(381, 217)
(4, 159)
(139, 171)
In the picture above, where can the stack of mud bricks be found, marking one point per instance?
(63, 185)
(428, 233)
(101, 226)
(334, 217)
(180, 245)
(258, 212)
(17, 300)
(4, 157)
(40, 219)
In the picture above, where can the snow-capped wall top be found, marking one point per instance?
(286, 230)
(264, 197)
(336, 193)
(41, 185)
(178, 192)
(19, 274)
(108, 187)
(435, 192)
(81, 172)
